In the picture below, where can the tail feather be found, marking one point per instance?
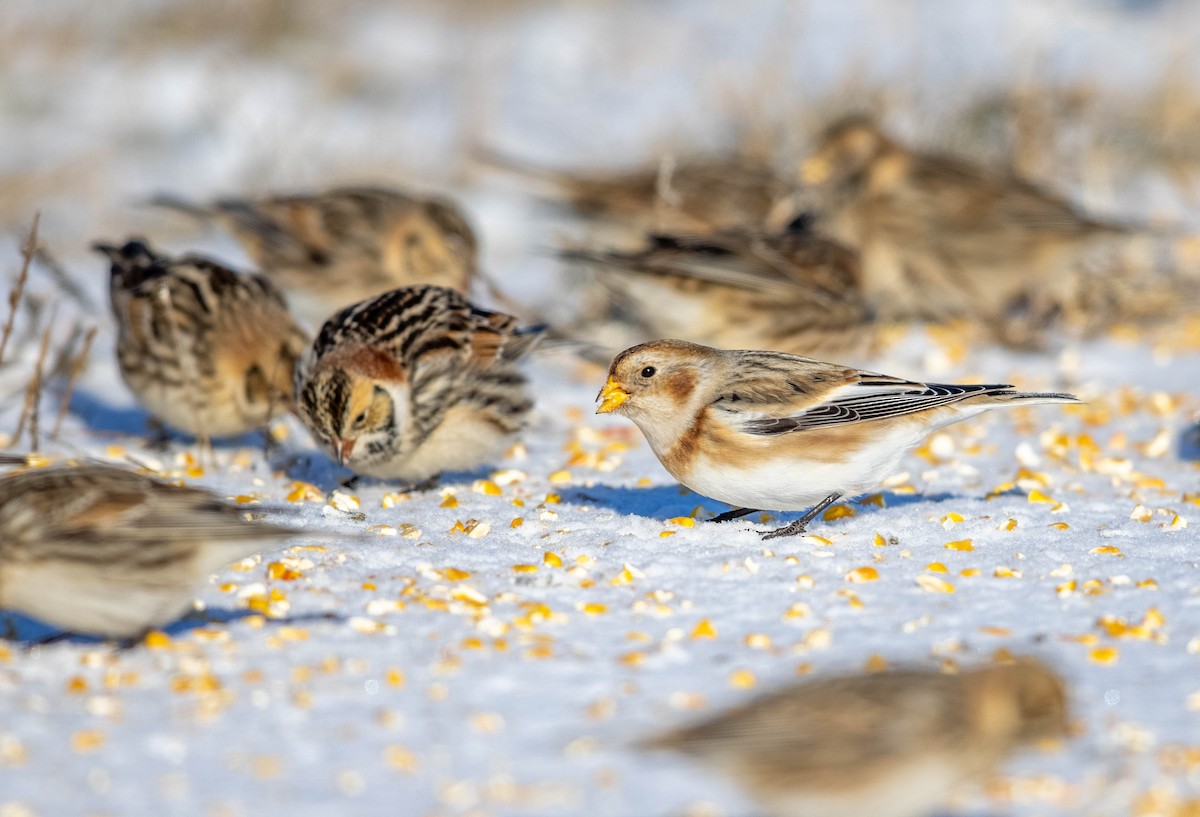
(182, 205)
(1032, 398)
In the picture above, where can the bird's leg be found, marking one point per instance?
(351, 482)
(158, 436)
(732, 513)
(800, 524)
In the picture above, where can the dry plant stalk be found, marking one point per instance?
(33, 393)
(77, 367)
(14, 296)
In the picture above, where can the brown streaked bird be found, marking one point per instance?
(415, 382)
(332, 248)
(794, 291)
(205, 349)
(773, 431)
(891, 744)
(943, 238)
(105, 551)
(689, 194)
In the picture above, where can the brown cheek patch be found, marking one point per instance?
(679, 386)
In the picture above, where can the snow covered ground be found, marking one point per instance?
(493, 646)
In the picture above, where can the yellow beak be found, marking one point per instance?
(814, 170)
(611, 396)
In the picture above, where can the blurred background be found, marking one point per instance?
(104, 106)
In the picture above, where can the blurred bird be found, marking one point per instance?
(336, 247)
(891, 744)
(772, 431)
(942, 238)
(205, 349)
(415, 382)
(794, 291)
(105, 551)
(691, 195)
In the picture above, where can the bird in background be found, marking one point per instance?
(100, 550)
(771, 431)
(415, 382)
(205, 349)
(943, 238)
(332, 248)
(688, 194)
(792, 291)
(891, 744)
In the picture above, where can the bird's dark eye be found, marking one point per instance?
(360, 419)
(649, 371)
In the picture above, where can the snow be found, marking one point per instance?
(466, 666)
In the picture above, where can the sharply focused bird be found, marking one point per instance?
(332, 248)
(773, 431)
(415, 382)
(891, 744)
(205, 349)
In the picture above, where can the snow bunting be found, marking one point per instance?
(336, 247)
(205, 349)
(698, 194)
(415, 382)
(891, 744)
(773, 431)
(942, 238)
(101, 550)
(795, 292)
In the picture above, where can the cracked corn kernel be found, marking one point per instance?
(1109, 550)
(633, 659)
(552, 559)
(449, 501)
(1103, 655)
(305, 492)
(1006, 573)
(934, 584)
(961, 544)
(704, 629)
(742, 679)
(951, 519)
(517, 522)
(797, 610)
(1141, 513)
(683, 521)
(487, 487)
(87, 740)
(862, 574)
(837, 512)
(879, 540)
(1011, 524)
(1037, 496)
(936, 567)
(560, 477)
(594, 609)
(757, 641)
(525, 568)
(157, 640)
(875, 663)
(453, 574)
(1060, 526)
(400, 759)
